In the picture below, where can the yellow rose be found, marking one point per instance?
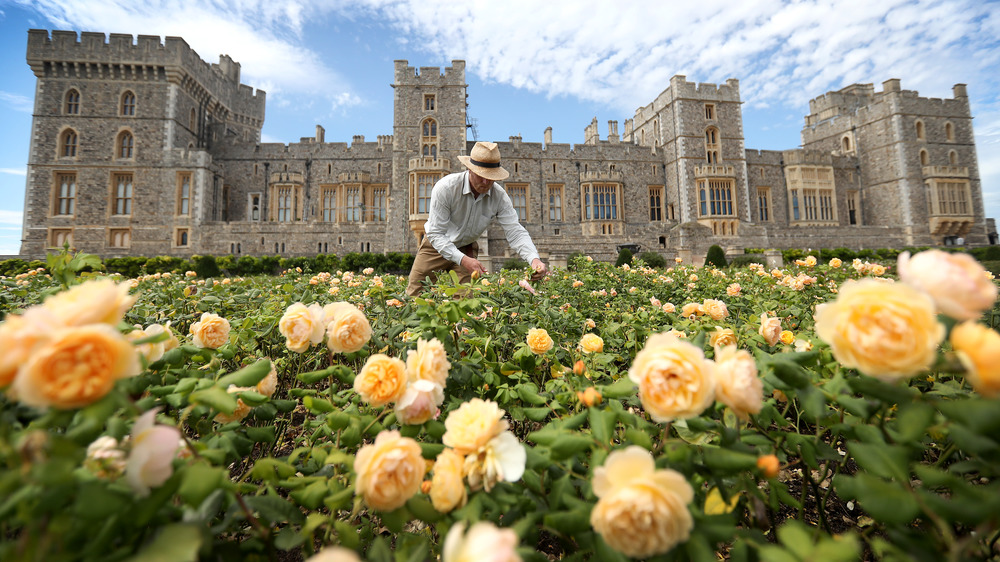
(171, 342)
(674, 378)
(389, 471)
(472, 425)
(212, 331)
(382, 380)
(692, 309)
(151, 351)
(429, 362)
(715, 308)
(770, 329)
(20, 336)
(539, 341)
(736, 382)
(447, 487)
(836, 262)
(669, 308)
(484, 541)
(642, 511)
(269, 383)
(786, 337)
(885, 330)
(347, 328)
(75, 367)
(955, 281)
(978, 348)
(100, 301)
(302, 326)
(242, 408)
(810, 261)
(591, 343)
(722, 337)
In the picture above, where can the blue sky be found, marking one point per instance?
(532, 64)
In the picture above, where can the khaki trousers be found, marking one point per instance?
(428, 262)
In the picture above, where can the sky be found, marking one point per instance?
(533, 64)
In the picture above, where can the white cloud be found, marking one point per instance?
(17, 102)
(11, 217)
(14, 171)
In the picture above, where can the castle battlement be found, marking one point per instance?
(681, 88)
(453, 75)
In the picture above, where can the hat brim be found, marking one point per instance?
(495, 174)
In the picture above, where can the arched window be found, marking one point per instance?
(429, 138)
(67, 143)
(72, 105)
(847, 143)
(920, 130)
(430, 128)
(125, 145)
(924, 159)
(949, 132)
(952, 157)
(192, 120)
(128, 104)
(712, 145)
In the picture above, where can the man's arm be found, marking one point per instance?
(518, 237)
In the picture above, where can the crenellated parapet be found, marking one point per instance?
(406, 75)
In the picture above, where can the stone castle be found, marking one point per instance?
(139, 147)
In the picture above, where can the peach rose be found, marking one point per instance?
(419, 402)
(334, 554)
(484, 541)
(722, 337)
(692, 309)
(675, 380)
(539, 341)
(955, 281)
(733, 289)
(591, 343)
(836, 262)
(212, 331)
(428, 362)
(151, 351)
(641, 511)
(75, 367)
(20, 336)
(302, 326)
(769, 465)
(669, 308)
(269, 383)
(715, 308)
(99, 301)
(150, 463)
(242, 408)
(503, 458)
(347, 328)
(978, 348)
(382, 380)
(389, 471)
(885, 330)
(447, 487)
(736, 382)
(589, 397)
(770, 329)
(171, 342)
(472, 425)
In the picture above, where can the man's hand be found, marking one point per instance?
(473, 265)
(540, 269)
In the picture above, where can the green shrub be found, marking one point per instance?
(574, 259)
(652, 259)
(14, 266)
(226, 263)
(129, 266)
(163, 264)
(747, 259)
(514, 263)
(624, 257)
(205, 266)
(716, 256)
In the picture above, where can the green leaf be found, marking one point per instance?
(728, 461)
(275, 509)
(568, 523)
(174, 543)
(602, 424)
(312, 496)
(317, 405)
(621, 388)
(200, 480)
(569, 445)
(272, 469)
(247, 376)
(887, 392)
(792, 374)
(216, 398)
(313, 377)
(887, 502)
(981, 416)
(639, 437)
(887, 461)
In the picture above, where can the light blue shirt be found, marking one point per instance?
(457, 218)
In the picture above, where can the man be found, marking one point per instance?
(462, 206)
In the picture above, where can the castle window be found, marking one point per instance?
(421, 199)
(950, 197)
(555, 202)
(710, 111)
(846, 144)
(600, 201)
(949, 132)
(376, 197)
(184, 194)
(181, 238)
(811, 189)
(715, 197)
(656, 203)
(518, 193)
(429, 102)
(515, 167)
(952, 157)
(119, 237)
(670, 211)
(121, 203)
(429, 138)
(924, 159)
(72, 102)
(352, 203)
(920, 130)
(852, 207)
(67, 143)
(553, 167)
(59, 237)
(429, 128)
(284, 203)
(193, 120)
(712, 145)
(125, 145)
(225, 202)
(764, 203)
(329, 201)
(255, 208)
(128, 104)
(65, 193)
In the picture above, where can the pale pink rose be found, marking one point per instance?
(527, 286)
(428, 362)
(715, 308)
(955, 281)
(885, 330)
(389, 471)
(105, 459)
(770, 329)
(347, 328)
(91, 302)
(472, 425)
(302, 326)
(447, 487)
(149, 463)
(334, 554)
(674, 377)
(503, 458)
(211, 332)
(655, 302)
(736, 382)
(641, 511)
(75, 366)
(483, 543)
(419, 402)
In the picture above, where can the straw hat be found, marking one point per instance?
(484, 160)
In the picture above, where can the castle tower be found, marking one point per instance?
(121, 158)
(429, 124)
